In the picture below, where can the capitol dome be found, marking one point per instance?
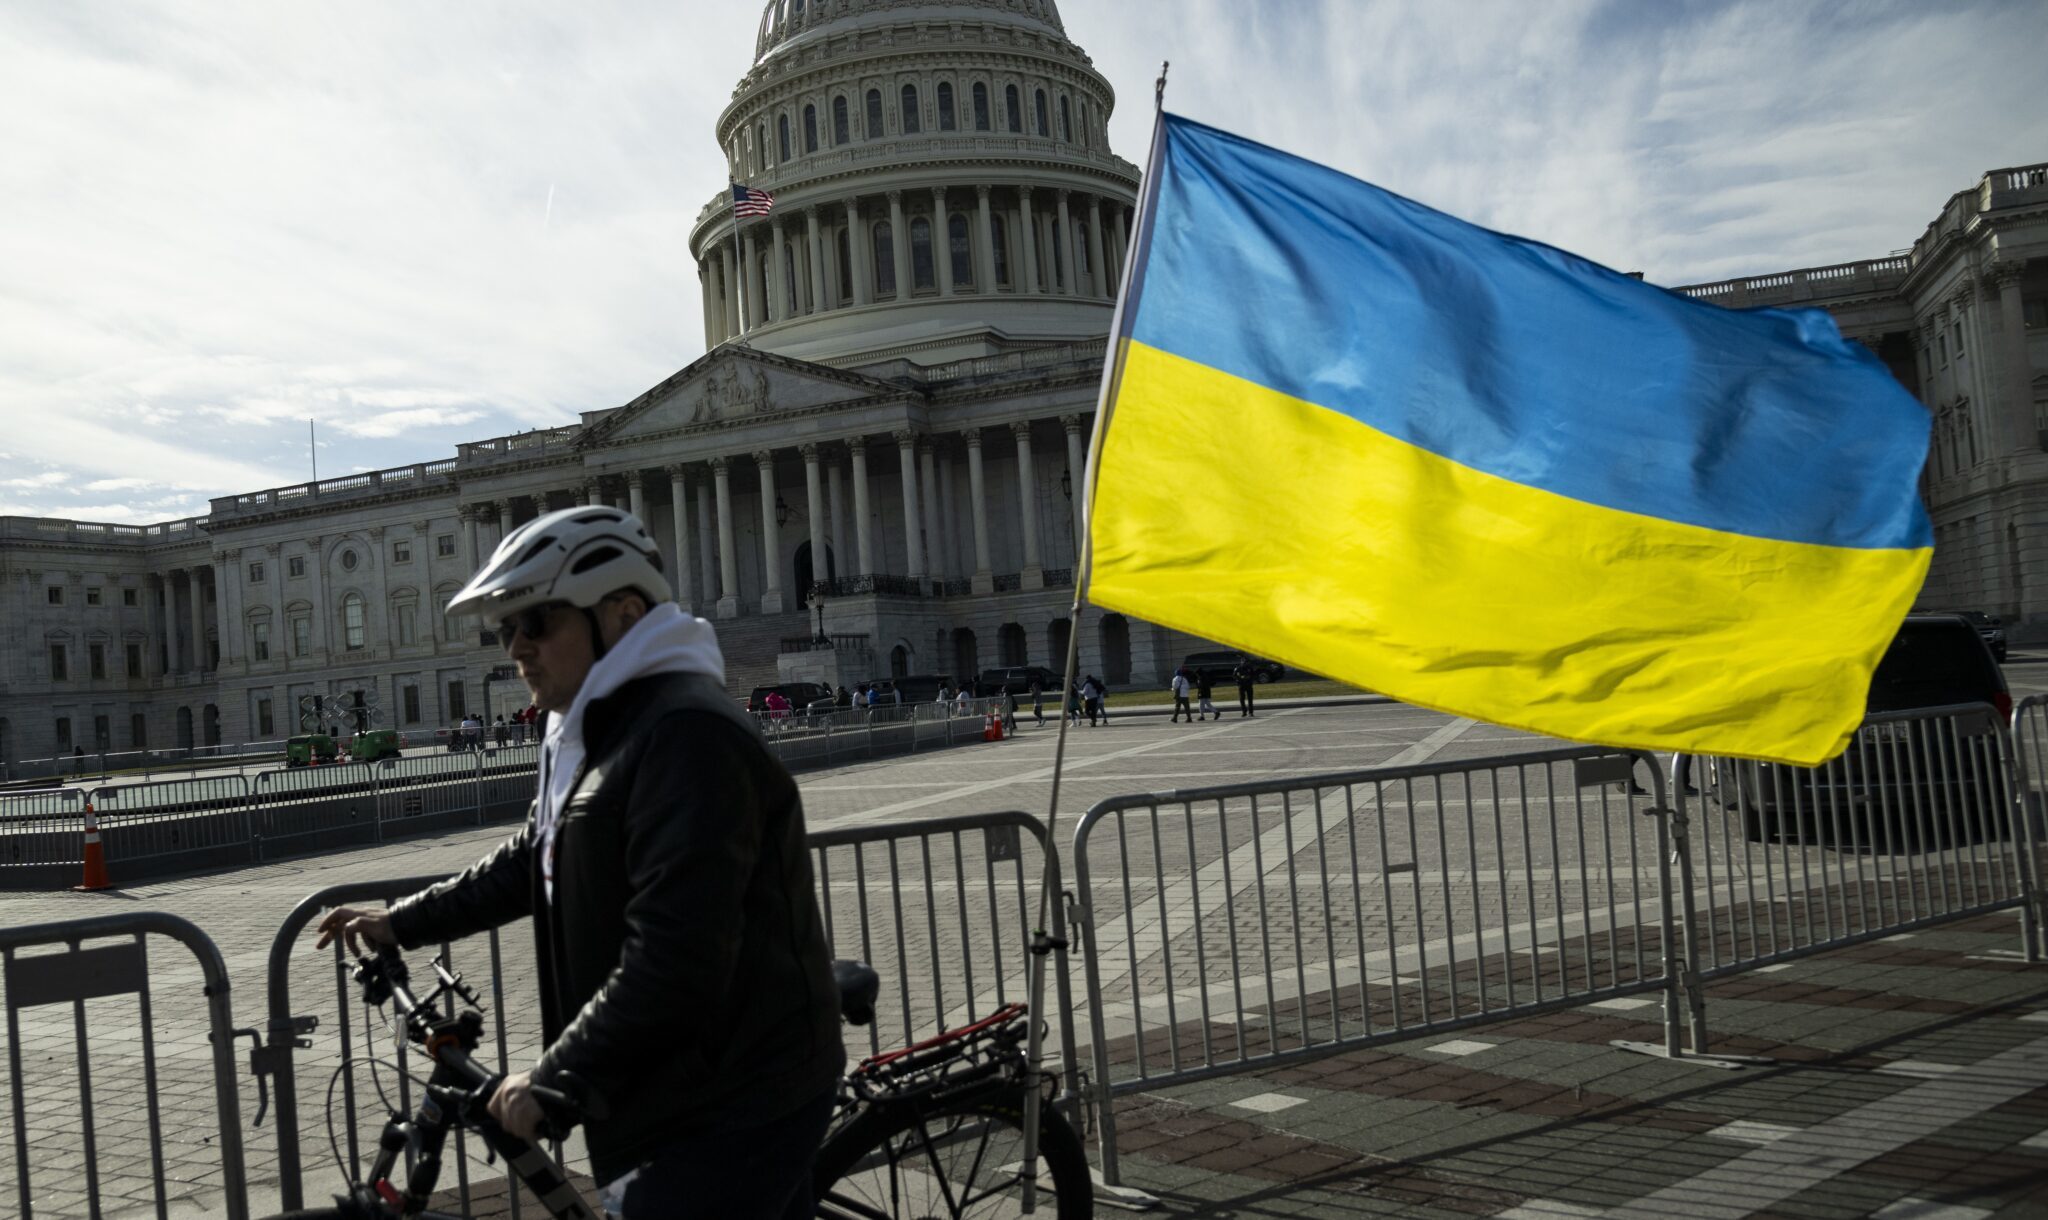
(942, 179)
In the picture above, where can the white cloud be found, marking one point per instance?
(49, 478)
(225, 222)
(127, 484)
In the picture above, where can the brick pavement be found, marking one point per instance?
(1543, 1115)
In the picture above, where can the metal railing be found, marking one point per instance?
(128, 1066)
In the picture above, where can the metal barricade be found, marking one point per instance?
(342, 1059)
(506, 779)
(297, 810)
(42, 838)
(129, 1066)
(429, 792)
(1919, 821)
(1233, 928)
(177, 824)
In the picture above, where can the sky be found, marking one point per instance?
(419, 225)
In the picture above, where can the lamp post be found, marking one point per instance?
(818, 602)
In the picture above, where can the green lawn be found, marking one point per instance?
(1226, 693)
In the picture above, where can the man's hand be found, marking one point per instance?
(514, 1107)
(371, 926)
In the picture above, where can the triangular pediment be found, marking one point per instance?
(731, 386)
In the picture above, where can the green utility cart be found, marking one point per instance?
(310, 748)
(369, 745)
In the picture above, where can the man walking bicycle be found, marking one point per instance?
(684, 976)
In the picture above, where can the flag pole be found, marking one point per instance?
(1042, 943)
(739, 264)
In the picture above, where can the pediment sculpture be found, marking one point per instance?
(726, 393)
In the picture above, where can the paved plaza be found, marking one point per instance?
(1908, 1077)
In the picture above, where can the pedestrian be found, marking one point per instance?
(1037, 703)
(964, 701)
(860, 697)
(1245, 675)
(845, 696)
(1102, 697)
(1180, 695)
(778, 705)
(1074, 702)
(1091, 698)
(1009, 712)
(681, 962)
(1205, 690)
(895, 694)
(502, 732)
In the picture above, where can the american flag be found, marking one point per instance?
(746, 201)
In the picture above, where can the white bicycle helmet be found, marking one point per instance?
(576, 557)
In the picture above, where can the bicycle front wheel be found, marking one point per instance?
(893, 1163)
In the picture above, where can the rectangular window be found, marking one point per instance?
(102, 734)
(302, 636)
(2034, 311)
(92, 595)
(213, 654)
(259, 641)
(134, 660)
(63, 734)
(1959, 340)
(128, 598)
(401, 552)
(352, 623)
(138, 736)
(265, 726)
(407, 633)
(256, 573)
(56, 595)
(409, 698)
(60, 668)
(295, 566)
(1941, 349)
(456, 709)
(96, 661)
(444, 546)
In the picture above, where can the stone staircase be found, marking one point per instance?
(750, 644)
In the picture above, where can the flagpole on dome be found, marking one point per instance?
(732, 203)
(1042, 943)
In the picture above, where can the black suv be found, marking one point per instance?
(1222, 666)
(1922, 779)
(1015, 680)
(1990, 628)
(801, 695)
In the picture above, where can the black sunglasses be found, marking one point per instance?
(532, 622)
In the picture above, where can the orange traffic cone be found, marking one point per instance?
(95, 856)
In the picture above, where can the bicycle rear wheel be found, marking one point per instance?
(891, 1163)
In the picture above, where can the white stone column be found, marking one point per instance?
(704, 299)
(174, 656)
(899, 245)
(755, 300)
(2017, 361)
(864, 544)
(977, 496)
(950, 560)
(942, 242)
(860, 250)
(906, 467)
(814, 523)
(985, 257)
(1123, 242)
(835, 494)
(707, 546)
(1105, 284)
(771, 535)
(1027, 494)
(1028, 233)
(679, 521)
(1077, 478)
(192, 575)
(323, 614)
(778, 273)
(728, 558)
(636, 494)
(928, 498)
(504, 508)
(467, 515)
(731, 296)
(817, 259)
(228, 575)
(1073, 287)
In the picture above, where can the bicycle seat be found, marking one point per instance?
(858, 987)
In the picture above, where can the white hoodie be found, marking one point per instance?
(664, 641)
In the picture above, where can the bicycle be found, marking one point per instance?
(933, 1129)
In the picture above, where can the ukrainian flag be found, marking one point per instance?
(1485, 476)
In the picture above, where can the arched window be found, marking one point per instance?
(352, 622)
(980, 106)
(946, 122)
(760, 147)
(910, 125)
(885, 260)
(796, 9)
(921, 272)
(963, 253)
(1001, 228)
(1084, 125)
(782, 130)
(1038, 103)
(1013, 110)
(789, 278)
(1059, 263)
(1080, 251)
(811, 129)
(874, 116)
(845, 269)
(839, 123)
(1066, 120)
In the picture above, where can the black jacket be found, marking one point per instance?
(684, 975)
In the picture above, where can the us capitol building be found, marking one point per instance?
(888, 428)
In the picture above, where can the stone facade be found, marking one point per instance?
(890, 440)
